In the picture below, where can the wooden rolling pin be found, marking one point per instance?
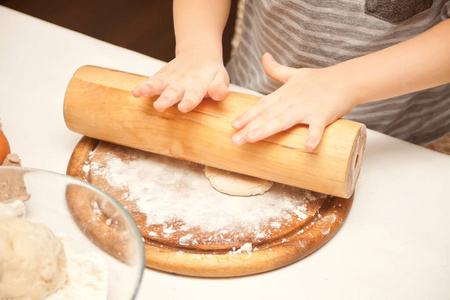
(98, 104)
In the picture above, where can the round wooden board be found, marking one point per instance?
(274, 248)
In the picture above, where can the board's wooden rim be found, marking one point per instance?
(280, 253)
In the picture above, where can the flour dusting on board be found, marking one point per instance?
(169, 191)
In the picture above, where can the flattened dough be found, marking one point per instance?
(235, 184)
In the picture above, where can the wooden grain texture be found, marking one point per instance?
(297, 240)
(98, 104)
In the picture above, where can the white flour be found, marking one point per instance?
(168, 190)
(13, 209)
(86, 277)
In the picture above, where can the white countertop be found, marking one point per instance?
(395, 243)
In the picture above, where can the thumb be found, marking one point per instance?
(276, 71)
(315, 133)
(218, 88)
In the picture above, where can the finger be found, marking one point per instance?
(240, 137)
(265, 125)
(138, 91)
(149, 87)
(218, 88)
(315, 133)
(259, 132)
(276, 71)
(169, 97)
(257, 129)
(252, 133)
(248, 116)
(192, 97)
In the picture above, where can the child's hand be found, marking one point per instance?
(316, 97)
(186, 80)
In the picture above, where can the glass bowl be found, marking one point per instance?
(90, 222)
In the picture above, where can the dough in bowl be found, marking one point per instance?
(32, 260)
(235, 184)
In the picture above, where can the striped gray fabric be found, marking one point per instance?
(320, 33)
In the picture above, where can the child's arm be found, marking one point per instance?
(197, 70)
(318, 97)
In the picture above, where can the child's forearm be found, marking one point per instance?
(199, 25)
(197, 71)
(416, 64)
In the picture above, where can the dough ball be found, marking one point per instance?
(236, 184)
(32, 260)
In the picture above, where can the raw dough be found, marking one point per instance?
(12, 187)
(33, 262)
(236, 184)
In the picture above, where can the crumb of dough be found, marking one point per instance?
(12, 159)
(12, 186)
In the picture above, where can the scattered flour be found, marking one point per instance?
(86, 276)
(86, 168)
(275, 225)
(168, 190)
(246, 248)
(300, 212)
(184, 240)
(330, 219)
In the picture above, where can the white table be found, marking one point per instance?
(395, 243)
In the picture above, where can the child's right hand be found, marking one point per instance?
(186, 80)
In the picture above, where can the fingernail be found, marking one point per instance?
(159, 106)
(184, 108)
(237, 140)
(310, 145)
(269, 56)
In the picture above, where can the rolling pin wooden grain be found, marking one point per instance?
(98, 104)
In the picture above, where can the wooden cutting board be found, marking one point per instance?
(263, 232)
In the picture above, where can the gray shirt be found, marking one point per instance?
(320, 33)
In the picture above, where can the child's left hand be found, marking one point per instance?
(316, 97)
